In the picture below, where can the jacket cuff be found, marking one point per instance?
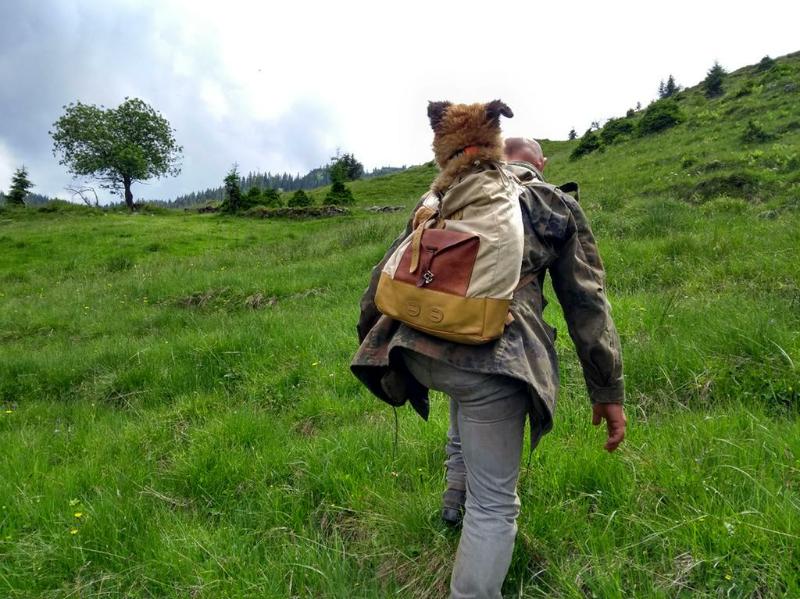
(613, 394)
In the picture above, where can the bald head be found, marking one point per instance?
(525, 150)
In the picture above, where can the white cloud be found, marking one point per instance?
(278, 86)
(7, 167)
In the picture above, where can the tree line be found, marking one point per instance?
(134, 143)
(316, 177)
(118, 147)
(342, 168)
(661, 114)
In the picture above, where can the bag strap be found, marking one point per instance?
(525, 280)
(572, 188)
(422, 217)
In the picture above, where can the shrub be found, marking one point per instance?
(614, 129)
(339, 194)
(746, 89)
(659, 116)
(754, 133)
(252, 197)
(572, 134)
(765, 64)
(119, 263)
(777, 72)
(742, 184)
(271, 198)
(299, 199)
(588, 144)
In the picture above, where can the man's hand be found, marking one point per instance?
(615, 419)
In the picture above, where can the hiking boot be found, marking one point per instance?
(453, 506)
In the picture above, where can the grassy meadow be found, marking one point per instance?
(177, 416)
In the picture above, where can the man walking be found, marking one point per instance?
(496, 386)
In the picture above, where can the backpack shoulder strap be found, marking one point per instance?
(571, 188)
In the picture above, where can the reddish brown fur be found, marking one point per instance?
(457, 126)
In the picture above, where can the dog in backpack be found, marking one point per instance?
(463, 134)
(454, 276)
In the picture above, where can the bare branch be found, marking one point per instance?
(83, 192)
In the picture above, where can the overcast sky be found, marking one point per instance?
(279, 86)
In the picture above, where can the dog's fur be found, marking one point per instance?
(458, 126)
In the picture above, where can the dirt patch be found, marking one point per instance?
(259, 300)
(384, 208)
(226, 298)
(307, 427)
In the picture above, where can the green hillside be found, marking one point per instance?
(177, 417)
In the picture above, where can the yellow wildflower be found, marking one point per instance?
(73, 531)
(79, 514)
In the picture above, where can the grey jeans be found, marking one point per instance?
(487, 425)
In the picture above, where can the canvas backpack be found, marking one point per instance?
(454, 276)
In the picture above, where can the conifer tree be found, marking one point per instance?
(713, 81)
(299, 199)
(20, 185)
(671, 88)
(668, 89)
(233, 191)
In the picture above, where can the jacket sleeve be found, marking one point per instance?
(579, 282)
(369, 312)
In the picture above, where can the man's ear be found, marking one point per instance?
(436, 112)
(495, 109)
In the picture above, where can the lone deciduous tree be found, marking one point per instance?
(118, 146)
(20, 186)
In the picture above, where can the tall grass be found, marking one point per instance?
(177, 417)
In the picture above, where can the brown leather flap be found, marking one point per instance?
(445, 259)
(439, 240)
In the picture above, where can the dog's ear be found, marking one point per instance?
(495, 109)
(436, 111)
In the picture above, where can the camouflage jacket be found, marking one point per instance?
(558, 240)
